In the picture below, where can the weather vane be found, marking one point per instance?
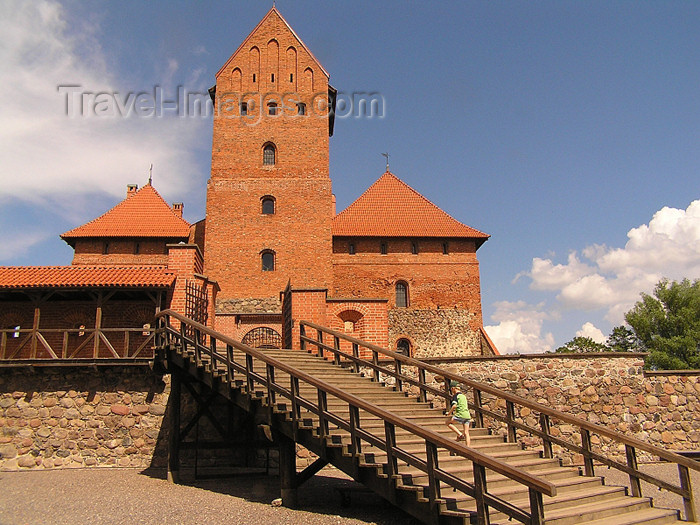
(150, 174)
(386, 156)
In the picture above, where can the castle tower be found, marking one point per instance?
(269, 200)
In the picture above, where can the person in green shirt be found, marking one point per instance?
(459, 414)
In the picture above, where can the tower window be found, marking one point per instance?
(272, 108)
(351, 248)
(445, 248)
(301, 108)
(268, 205)
(272, 77)
(383, 248)
(137, 248)
(291, 77)
(401, 295)
(254, 80)
(269, 154)
(268, 261)
(244, 109)
(414, 248)
(105, 248)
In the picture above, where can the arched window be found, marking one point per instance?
(268, 205)
(268, 261)
(272, 108)
(269, 154)
(403, 346)
(401, 294)
(301, 108)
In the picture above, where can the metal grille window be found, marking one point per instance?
(268, 261)
(269, 154)
(401, 295)
(263, 338)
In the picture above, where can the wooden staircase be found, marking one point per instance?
(397, 462)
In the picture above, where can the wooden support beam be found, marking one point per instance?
(174, 430)
(310, 471)
(288, 471)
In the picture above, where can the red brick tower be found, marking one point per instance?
(269, 201)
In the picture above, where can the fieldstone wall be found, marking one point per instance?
(435, 332)
(56, 417)
(662, 409)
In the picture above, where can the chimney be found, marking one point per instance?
(333, 204)
(177, 208)
(131, 189)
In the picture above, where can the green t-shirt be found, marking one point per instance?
(459, 401)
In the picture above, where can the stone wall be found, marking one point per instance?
(433, 333)
(57, 417)
(607, 389)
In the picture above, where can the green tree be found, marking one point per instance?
(581, 345)
(622, 339)
(667, 325)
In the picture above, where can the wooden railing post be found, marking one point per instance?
(479, 417)
(510, 416)
(482, 509)
(319, 338)
(323, 429)
(229, 365)
(397, 369)
(302, 334)
(355, 441)
(375, 362)
(336, 345)
(586, 446)
(422, 392)
(174, 428)
(356, 355)
(546, 442)
(635, 482)
(688, 499)
(250, 385)
(296, 412)
(271, 399)
(433, 483)
(392, 465)
(536, 508)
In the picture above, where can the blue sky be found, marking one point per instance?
(568, 131)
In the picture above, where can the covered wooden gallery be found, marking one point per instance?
(80, 312)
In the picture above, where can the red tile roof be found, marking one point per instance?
(391, 208)
(143, 214)
(23, 277)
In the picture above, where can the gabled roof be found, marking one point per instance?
(142, 214)
(24, 277)
(391, 208)
(272, 12)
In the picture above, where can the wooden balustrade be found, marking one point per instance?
(392, 364)
(223, 365)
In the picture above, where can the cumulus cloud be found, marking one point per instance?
(612, 278)
(47, 155)
(590, 330)
(519, 328)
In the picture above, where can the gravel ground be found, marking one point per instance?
(127, 497)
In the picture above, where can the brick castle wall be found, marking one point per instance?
(127, 252)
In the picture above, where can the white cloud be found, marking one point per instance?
(613, 278)
(519, 328)
(16, 244)
(48, 156)
(590, 330)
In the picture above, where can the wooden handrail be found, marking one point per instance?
(561, 416)
(527, 479)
